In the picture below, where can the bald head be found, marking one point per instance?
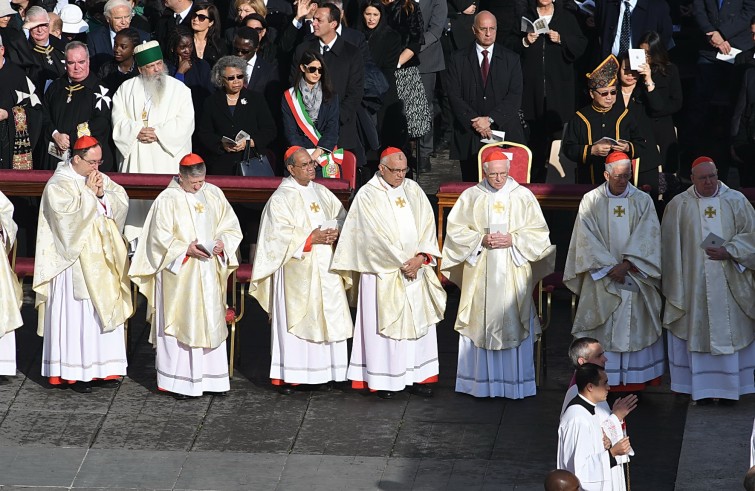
(484, 28)
(561, 480)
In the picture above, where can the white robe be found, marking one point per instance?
(606, 419)
(310, 316)
(580, 448)
(609, 229)
(752, 446)
(75, 346)
(173, 121)
(496, 320)
(10, 291)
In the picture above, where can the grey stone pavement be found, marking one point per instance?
(133, 437)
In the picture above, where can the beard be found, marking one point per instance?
(154, 84)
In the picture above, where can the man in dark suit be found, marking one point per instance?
(482, 104)
(261, 76)
(177, 12)
(100, 41)
(346, 69)
(725, 27)
(431, 61)
(644, 16)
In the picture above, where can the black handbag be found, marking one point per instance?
(254, 164)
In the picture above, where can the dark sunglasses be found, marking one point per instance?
(243, 51)
(606, 93)
(258, 29)
(313, 69)
(234, 77)
(201, 17)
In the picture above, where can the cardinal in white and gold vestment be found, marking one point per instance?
(496, 248)
(83, 294)
(291, 279)
(389, 238)
(616, 244)
(710, 312)
(153, 120)
(10, 291)
(185, 254)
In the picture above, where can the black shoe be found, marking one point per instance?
(4, 380)
(327, 387)
(704, 402)
(217, 394)
(82, 387)
(108, 384)
(286, 390)
(425, 165)
(421, 390)
(442, 146)
(727, 402)
(182, 397)
(385, 394)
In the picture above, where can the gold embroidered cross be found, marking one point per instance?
(199, 207)
(400, 202)
(498, 207)
(710, 212)
(619, 211)
(314, 207)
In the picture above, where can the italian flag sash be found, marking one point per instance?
(330, 162)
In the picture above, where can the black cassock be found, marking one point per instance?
(51, 62)
(15, 92)
(78, 109)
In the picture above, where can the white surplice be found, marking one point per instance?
(8, 354)
(580, 447)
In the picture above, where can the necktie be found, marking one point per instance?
(626, 29)
(325, 49)
(178, 18)
(484, 67)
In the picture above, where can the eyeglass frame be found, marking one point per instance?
(396, 172)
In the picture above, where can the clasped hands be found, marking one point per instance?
(619, 272)
(95, 183)
(496, 240)
(197, 253)
(327, 236)
(481, 124)
(411, 266)
(146, 135)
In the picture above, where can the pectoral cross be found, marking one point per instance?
(400, 202)
(49, 60)
(145, 117)
(710, 212)
(314, 207)
(619, 211)
(199, 207)
(498, 207)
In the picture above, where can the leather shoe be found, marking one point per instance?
(4, 380)
(727, 402)
(385, 394)
(108, 384)
(217, 394)
(704, 402)
(182, 397)
(82, 387)
(286, 390)
(421, 390)
(425, 165)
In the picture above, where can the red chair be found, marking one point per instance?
(349, 168)
(520, 157)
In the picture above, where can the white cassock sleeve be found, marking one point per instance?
(577, 451)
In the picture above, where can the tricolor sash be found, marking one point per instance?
(330, 162)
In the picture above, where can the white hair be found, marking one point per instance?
(618, 163)
(485, 165)
(37, 11)
(113, 4)
(384, 160)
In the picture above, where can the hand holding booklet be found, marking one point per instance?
(206, 247)
(328, 224)
(712, 240)
(540, 26)
(240, 136)
(607, 139)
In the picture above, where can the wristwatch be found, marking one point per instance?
(491, 120)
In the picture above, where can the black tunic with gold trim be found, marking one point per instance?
(51, 61)
(588, 127)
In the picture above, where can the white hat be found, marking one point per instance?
(6, 9)
(73, 19)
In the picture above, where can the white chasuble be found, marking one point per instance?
(619, 220)
(11, 296)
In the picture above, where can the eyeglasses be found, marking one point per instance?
(606, 93)
(496, 175)
(201, 17)
(313, 69)
(619, 177)
(93, 162)
(243, 51)
(396, 171)
(231, 78)
(258, 29)
(311, 163)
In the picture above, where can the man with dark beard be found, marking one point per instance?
(153, 120)
(76, 105)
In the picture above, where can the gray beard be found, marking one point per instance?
(154, 86)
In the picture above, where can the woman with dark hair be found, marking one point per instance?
(404, 17)
(310, 109)
(205, 22)
(229, 110)
(184, 65)
(385, 48)
(548, 96)
(653, 94)
(122, 67)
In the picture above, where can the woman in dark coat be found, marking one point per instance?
(385, 48)
(229, 110)
(548, 78)
(184, 65)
